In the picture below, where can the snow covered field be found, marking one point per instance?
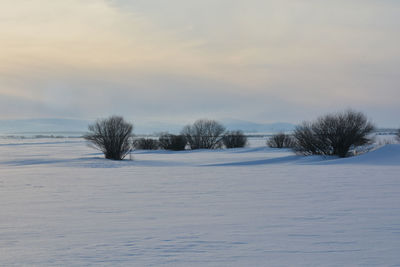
(63, 204)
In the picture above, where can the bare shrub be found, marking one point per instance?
(280, 140)
(333, 134)
(111, 136)
(172, 142)
(204, 134)
(146, 144)
(234, 139)
(307, 142)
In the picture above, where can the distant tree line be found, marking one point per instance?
(332, 134)
(113, 136)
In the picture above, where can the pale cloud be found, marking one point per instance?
(215, 57)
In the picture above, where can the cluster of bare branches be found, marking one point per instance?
(172, 142)
(281, 140)
(111, 136)
(234, 139)
(204, 133)
(146, 144)
(333, 134)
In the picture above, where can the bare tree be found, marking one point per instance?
(172, 142)
(280, 140)
(234, 139)
(111, 136)
(204, 134)
(146, 144)
(333, 134)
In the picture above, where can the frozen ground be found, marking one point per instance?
(62, 204)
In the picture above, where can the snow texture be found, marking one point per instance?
(63, 204)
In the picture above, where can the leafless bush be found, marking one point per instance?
(333, 134)
(111, 136)
(234, 139)
(146, 144)
(204, 134)
(280, 140)
(172, 142)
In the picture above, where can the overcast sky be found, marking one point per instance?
(178, 60)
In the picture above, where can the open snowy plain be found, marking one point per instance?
(63, 204)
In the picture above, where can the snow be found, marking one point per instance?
(63, 204)
(385, 155)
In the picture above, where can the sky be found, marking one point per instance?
(174, 61)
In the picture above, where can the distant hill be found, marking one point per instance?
(253, 127)
(76, 125)
(43, 125)
(55, 125)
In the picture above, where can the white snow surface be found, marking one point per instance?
(62, 204)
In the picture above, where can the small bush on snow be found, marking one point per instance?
(172, 142)
(204, 134)
(333, 134)
(234, 139)
(111, 136)
(146, 144)
(280, 140)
